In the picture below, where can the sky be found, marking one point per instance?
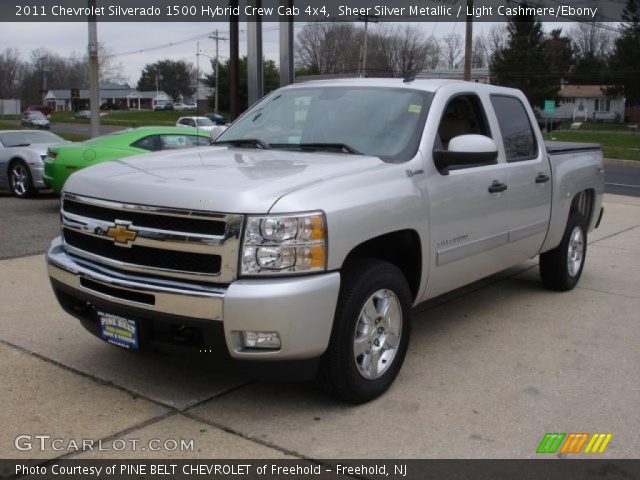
(66, 38)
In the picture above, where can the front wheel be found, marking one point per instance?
(561, 268)
(370, 333)
(20, 180)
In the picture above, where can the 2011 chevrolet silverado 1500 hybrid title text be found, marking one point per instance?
(315, 223)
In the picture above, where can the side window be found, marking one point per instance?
(172, 142)
(151, 143)
(463, 115)
(517, 132)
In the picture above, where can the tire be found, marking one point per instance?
(561, 268)
(20, 180)
(367, 286)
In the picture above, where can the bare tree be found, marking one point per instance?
(496, 39)
(592, 41)
(328, 48)
(11, 72)
(404, 50)
(452, 50)
(479, 53)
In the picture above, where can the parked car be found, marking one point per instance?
(202, 123)
(64, 160)
(319, 220)
(168, 106)
(179, 107)
(216, 118)
(33, 119)
(86, 114)
(22, 154)
(192, 107)
(40, 108)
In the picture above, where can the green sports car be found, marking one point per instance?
(63, 160)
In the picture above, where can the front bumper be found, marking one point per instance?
(300, 309)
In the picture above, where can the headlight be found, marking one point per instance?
(284, 244)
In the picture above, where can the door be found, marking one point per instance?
(468, 233)
(529, 178)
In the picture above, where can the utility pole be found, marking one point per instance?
(198, 75)
(468, 43)
(217, 38)
(255, 79)
(94, 81)
(366, 19)
(44, 84)
(234, 59)
(286, 46)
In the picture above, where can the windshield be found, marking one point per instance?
(37, 115)
(380, 121)
(18, 138)
(204, 122)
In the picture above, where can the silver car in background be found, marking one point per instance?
(22, 153)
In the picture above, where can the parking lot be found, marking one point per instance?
(491, 369)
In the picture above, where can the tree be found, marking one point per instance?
(271, 82)
(328, 47)
(624, 62)
(452, 50)
(11, 72)
(402, 51)
(593, 45)
(175, 77)
(559, 56)
(522, 63)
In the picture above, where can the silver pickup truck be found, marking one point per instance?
(315, 223)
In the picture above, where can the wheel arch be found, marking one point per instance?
(401, 248)
(583, 202)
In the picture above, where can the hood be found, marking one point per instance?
(217, 179)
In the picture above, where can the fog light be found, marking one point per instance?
(267, 340)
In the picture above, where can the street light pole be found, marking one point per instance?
(366, 19)
(217, 38)
(94, 81)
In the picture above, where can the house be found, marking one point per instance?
(202, 93)
(121, 95)
(589, 102)
(478, 75)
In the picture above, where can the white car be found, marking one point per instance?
(179, 107)
(201, 123)
(191, 107)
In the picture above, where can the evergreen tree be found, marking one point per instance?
(523, 63)
(624, 64)
(175, 78)
(271, 76)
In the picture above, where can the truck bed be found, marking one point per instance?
(560, 148)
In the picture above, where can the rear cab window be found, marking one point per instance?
(515, 126)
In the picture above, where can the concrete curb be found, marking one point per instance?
(622, 163)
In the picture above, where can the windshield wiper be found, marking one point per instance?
(330, 146)
(20, 145)
(244, 142)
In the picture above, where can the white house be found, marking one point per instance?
(589, 102)
(123, 96)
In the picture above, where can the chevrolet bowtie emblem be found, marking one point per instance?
(121, 234)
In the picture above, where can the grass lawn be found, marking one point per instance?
(129, 118)
(72, 137)
(616, 144)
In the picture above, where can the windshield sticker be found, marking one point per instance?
(415, 108)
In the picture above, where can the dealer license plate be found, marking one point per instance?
(118, 330)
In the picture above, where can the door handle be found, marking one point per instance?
(497, 187)
(542, 178)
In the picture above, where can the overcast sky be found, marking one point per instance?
(120, 38)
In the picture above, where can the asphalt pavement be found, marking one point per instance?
(491, 368)
(623, 180)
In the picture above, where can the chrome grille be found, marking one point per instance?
(183, 244)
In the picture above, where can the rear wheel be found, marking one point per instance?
(20, 180)
(561, 267)
(370, 333)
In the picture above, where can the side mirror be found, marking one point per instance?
(466, 151)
